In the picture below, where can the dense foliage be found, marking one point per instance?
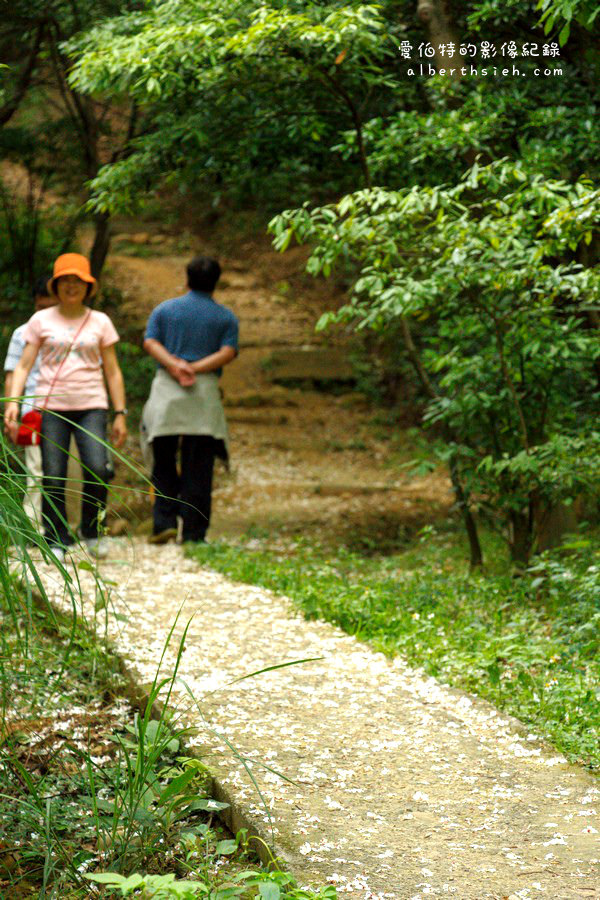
(307, 97)
(60, 137)
(244, 97)
(496, 328)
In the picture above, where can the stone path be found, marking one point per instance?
(402, 788)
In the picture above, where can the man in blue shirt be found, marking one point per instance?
(191, 338)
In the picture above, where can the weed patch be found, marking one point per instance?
(93, 791)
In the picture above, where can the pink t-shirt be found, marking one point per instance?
(80, 382)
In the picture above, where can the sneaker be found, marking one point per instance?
(97, 547)
(163, 537)
(57, 553)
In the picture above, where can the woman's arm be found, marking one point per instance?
(19, 377)
(116, 389)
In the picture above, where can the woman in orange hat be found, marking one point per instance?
(77, 349)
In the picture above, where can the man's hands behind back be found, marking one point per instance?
(181, 371)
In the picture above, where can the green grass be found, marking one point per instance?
(531, 646)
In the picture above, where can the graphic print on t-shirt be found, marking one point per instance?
(55, 349)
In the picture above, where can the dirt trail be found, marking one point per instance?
(303, 460)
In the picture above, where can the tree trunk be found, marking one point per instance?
(589, 255)
(341, 91)
(435, 15)
(101, 243)
(9, 109)
(554, 522)
(521, 537)
(476, 556)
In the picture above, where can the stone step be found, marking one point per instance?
(257, 417)
(237, 280)
(273, 397)
(311, 364)
(267, 341)
(330, 489)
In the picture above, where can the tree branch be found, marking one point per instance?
(341, 91)
(415, 359)
(10, 108)
(462, 498)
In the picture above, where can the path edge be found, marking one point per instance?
(235, 817)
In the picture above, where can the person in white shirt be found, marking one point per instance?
(32, 500)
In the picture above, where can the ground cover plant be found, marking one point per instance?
(530, 645)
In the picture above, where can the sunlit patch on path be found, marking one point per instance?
(403, 788)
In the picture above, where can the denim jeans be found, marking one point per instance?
(186, 493)
(87, 425)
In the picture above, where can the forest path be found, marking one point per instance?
(304, 461)
(403, 788)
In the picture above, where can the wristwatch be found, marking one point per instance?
(121, 412)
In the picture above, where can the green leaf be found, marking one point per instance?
(106, 878)
(134, 881)
(283, 242)
(276, 666)
(177, 786)
(564, 33)
(269, 891)
(494, 673)
(208, 805)
(224, 848)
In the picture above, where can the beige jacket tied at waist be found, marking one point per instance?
(172, 409)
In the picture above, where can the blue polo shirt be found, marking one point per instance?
(193, 326)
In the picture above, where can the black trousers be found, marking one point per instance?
(185, 492)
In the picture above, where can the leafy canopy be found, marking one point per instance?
(238, 87)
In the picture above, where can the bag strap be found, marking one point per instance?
(63, 360)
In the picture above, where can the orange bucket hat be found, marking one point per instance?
(73, 264)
